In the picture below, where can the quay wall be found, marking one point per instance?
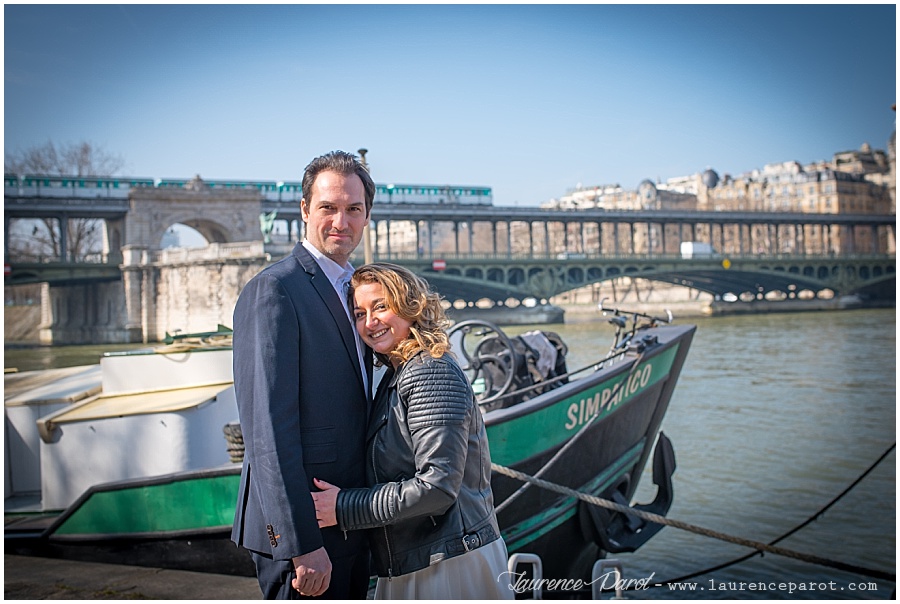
(575, 313)
(504, 315)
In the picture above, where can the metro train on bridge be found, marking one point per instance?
(281, 191)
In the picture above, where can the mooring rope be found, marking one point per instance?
(195, 343)
(571, 442)
(812, 518)
(650, 517)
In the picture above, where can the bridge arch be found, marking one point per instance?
(211, 230)
(220, 216)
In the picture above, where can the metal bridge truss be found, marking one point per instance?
(745, 277)
(475, 277)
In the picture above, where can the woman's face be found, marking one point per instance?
(378, 325)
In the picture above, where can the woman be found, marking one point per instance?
(430, 505)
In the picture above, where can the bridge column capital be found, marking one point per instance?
(134, 255)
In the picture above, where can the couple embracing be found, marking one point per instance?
(336, 481)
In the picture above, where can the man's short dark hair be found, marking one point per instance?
(342, 163)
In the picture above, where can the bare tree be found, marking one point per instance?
(74, 159)
(38, 239)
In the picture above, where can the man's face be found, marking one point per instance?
(336, 214)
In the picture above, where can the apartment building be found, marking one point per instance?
(861, 181)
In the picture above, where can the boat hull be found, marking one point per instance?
(630, 401)
(156, 521)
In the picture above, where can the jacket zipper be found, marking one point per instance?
(387, 537)
(387, 540)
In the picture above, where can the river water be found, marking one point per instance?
(774, 416)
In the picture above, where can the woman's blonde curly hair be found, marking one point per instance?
(410, 298)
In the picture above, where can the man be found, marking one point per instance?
(303, 396)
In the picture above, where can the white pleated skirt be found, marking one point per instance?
(477, 575)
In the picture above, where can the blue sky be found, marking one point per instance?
(527, 99)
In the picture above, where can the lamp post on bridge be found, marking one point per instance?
(367, 235)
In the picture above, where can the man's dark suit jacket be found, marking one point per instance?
(302, 405)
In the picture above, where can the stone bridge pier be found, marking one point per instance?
(90, 313)
(183, 289)
(175, 290)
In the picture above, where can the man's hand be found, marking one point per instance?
(326, 502)
(313, 573)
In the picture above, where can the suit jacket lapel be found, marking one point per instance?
(330, 297)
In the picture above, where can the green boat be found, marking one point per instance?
(593, 429)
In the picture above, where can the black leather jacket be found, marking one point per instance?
(431, 469)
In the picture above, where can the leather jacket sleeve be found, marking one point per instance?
(438, 406)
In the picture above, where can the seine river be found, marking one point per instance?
(773, 417)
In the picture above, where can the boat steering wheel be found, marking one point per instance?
(487, 357)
